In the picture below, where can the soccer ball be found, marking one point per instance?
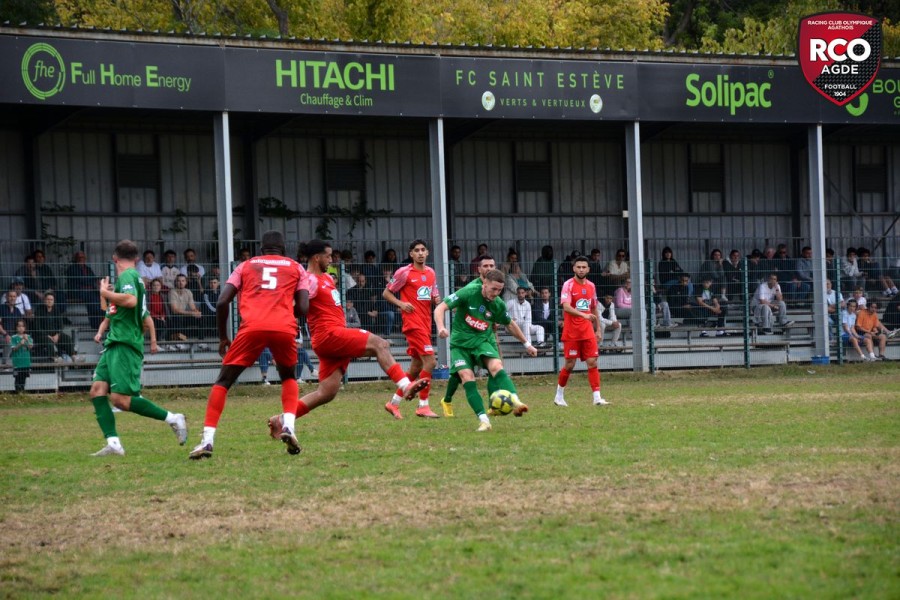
(501, 402)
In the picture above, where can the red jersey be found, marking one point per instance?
(419, 288)
(266, 287)
(583, 298)
(325, 310)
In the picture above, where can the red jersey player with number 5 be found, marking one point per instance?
(416, 284)
(272, 292)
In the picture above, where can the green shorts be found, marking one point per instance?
(470, 358)
(120, 366)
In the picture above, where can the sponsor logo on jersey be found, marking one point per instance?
(336, 296)
(583, 304)
(423, 293)
(476, 323)
(459, 363)
(453, 297)
(127, 287)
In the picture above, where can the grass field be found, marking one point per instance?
(769, 483)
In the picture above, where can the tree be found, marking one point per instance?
(27, 11)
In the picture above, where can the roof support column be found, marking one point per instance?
(222, 148)
(636, 245)
(438, 181)
(817, 237)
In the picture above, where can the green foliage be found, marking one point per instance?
(179, 222)
(358, 213)
(27, 11)
(274, 207)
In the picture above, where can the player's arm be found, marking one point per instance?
(567, 308)
(406, 307)
(439, 313)
(301, 303)
(104, 325)
(598, 315)
(118, 298)
(223, 304)
(512, 328)
(150, 328)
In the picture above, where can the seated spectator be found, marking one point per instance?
(755, 270)
(17, 285)
(622, 299)
(800, 284)
(458, 270)
(388, 262)
(519, 309)
(714, 269)
(83, 287)
(244, 255)
(834, 303)
(156, 306)
(891, 317)
(852, 277)
(708, 306)
(662, 304)
(211, 273)
(618, 270)
(190, 258)
(375, 313)
(860, 296)
(733, 269)
(608, 320)
(872, 330)
(544, 313)
(768, 302)
(769, 263)
(183, 312)
(668, 271)
(9, 314)
(875, 276)
(476, 260)
(50, 339)
(681, 301)
(543, 269)
(352, 316)
(515, 278)
(46, 278)
(31, 282)
(370, 268)
(169, 270)
(148, 268)
(195, 283)
(849, 334)
(595, 270)
(784, 265)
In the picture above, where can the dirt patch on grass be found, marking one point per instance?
(177, 522)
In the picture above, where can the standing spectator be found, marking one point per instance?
(852, 277)
(244, 255)
(370, 268)
(190, 258)
(183, 311)
(21, 344)
(17, 285)
(460, 273)
(156, 306)
(608, 319)
(623, 300)
(416, 286)
(595, 275)
(543, 270)
(50, 338)
(872, 330)
(122, 359)
(476, 260)
(81, 288)
(581, 331)
(519, 310)
(169, 271)
(148, 268)
(769, 301)
(9, 314)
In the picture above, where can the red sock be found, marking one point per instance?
(423, 394)
(594, 379)
(215, 404)
(563, 377)
(302, 408)
(289, 391)
(396, 374)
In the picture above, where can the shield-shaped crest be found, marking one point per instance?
(839, 53)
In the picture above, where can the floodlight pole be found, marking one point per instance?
(817, 239)
(439, 250)
(636, 245)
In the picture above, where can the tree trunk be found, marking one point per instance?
(281, 15)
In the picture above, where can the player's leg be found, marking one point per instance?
(415, 367)
(563, 379)
(102, 410)
(453, 383)
(504, 382)
(284, 351)
(381, 350)
(429, 362)
(593, 372)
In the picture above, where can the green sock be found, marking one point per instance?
(473, 397)
(145, 408)
(452, 386)
(492, 385)
(105, 417)
(503, 382)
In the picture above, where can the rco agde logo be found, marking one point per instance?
(43, 71)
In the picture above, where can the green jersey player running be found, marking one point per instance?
(118, 374)
(472, 340)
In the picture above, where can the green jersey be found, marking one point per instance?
(126, 325)
(474, 316)
(21, 357)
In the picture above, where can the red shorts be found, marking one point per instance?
(418, 342)
(336, 348)
(583, 349)
(246, 346)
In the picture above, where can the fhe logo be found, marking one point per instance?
(839, 53)
(43, 71)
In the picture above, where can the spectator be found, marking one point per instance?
(169, 270)
(82, 287)
(265, 359)
(768, 301)
(543, 270)
(212, 272)
(303, 357)
(195, 283)
(21, 344)
(708, 307)
(872, 330)
(9, 314)
(244, 255)
(783, 263)
(17, 285)
(148, 268)
(351, 315)
(733, 269)
(348, 268)
(156, 306)
(800, 286)
(476, 260)
(46, 278)
(595, 275)
(755, 270)
(876, 278)
(617, 271)
(831, 267)
(31, 282)
(374, 312)
(519, 309)
(388, 262)
(891, 317)
(860, 296)
(515, 278)
(369, 268)
(681, 301)
(608, 320)
(834, 303)
(668, 271)
(714, 269)
(852, 277)
(50, 339)
(850, 335)
(459, 271)
(190, 258)
(768, 264)
(623, 301)
(184, 315)
(662, 304)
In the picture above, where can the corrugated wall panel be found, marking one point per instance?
(12, 174)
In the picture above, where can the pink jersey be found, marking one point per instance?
(419, 288)
(583, 298)
(266, 287)
(325, 309)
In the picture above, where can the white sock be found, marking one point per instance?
(484, 418)
(596, 395)
(423, 403)
(170, 418)
(289, 419)
(209, 435)
(396, 400)
(560, 392)
(404, 383)
(114, 442)
(871, 355)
